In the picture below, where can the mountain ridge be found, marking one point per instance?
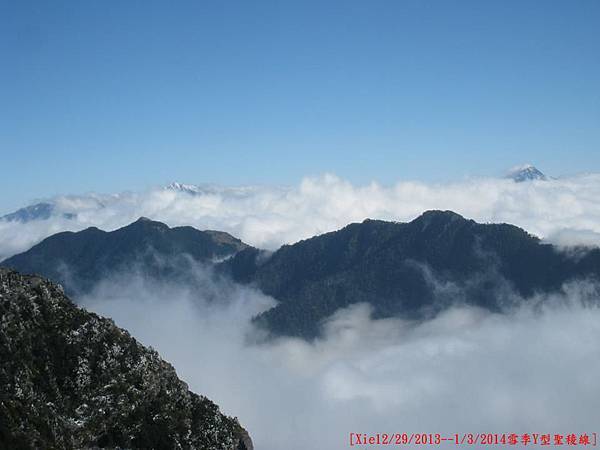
(80, 259)
(402, 269)
(413, 270)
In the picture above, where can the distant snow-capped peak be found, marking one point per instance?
(526, 172)
(181, 187)
(37, 211)
(211, 189)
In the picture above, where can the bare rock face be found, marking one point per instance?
(71, 379)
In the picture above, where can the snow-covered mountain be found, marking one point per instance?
(37, 211)
(268, 216)
(84, 208)
(211, 189)
(526, 172)
(181, 187)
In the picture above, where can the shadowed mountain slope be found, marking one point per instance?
(80, 260)
(410, 269)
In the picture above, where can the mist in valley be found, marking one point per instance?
(533, 369)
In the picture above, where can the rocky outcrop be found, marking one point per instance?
(71, 379)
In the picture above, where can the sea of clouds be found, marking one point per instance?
(534, 369)
(565, 211)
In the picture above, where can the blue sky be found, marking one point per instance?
(116, 95)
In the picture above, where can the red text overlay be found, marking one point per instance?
(475, 439)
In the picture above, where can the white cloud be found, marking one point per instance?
(268, 216)
(468, 370)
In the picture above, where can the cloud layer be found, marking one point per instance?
(565, 210)
(468, 370)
